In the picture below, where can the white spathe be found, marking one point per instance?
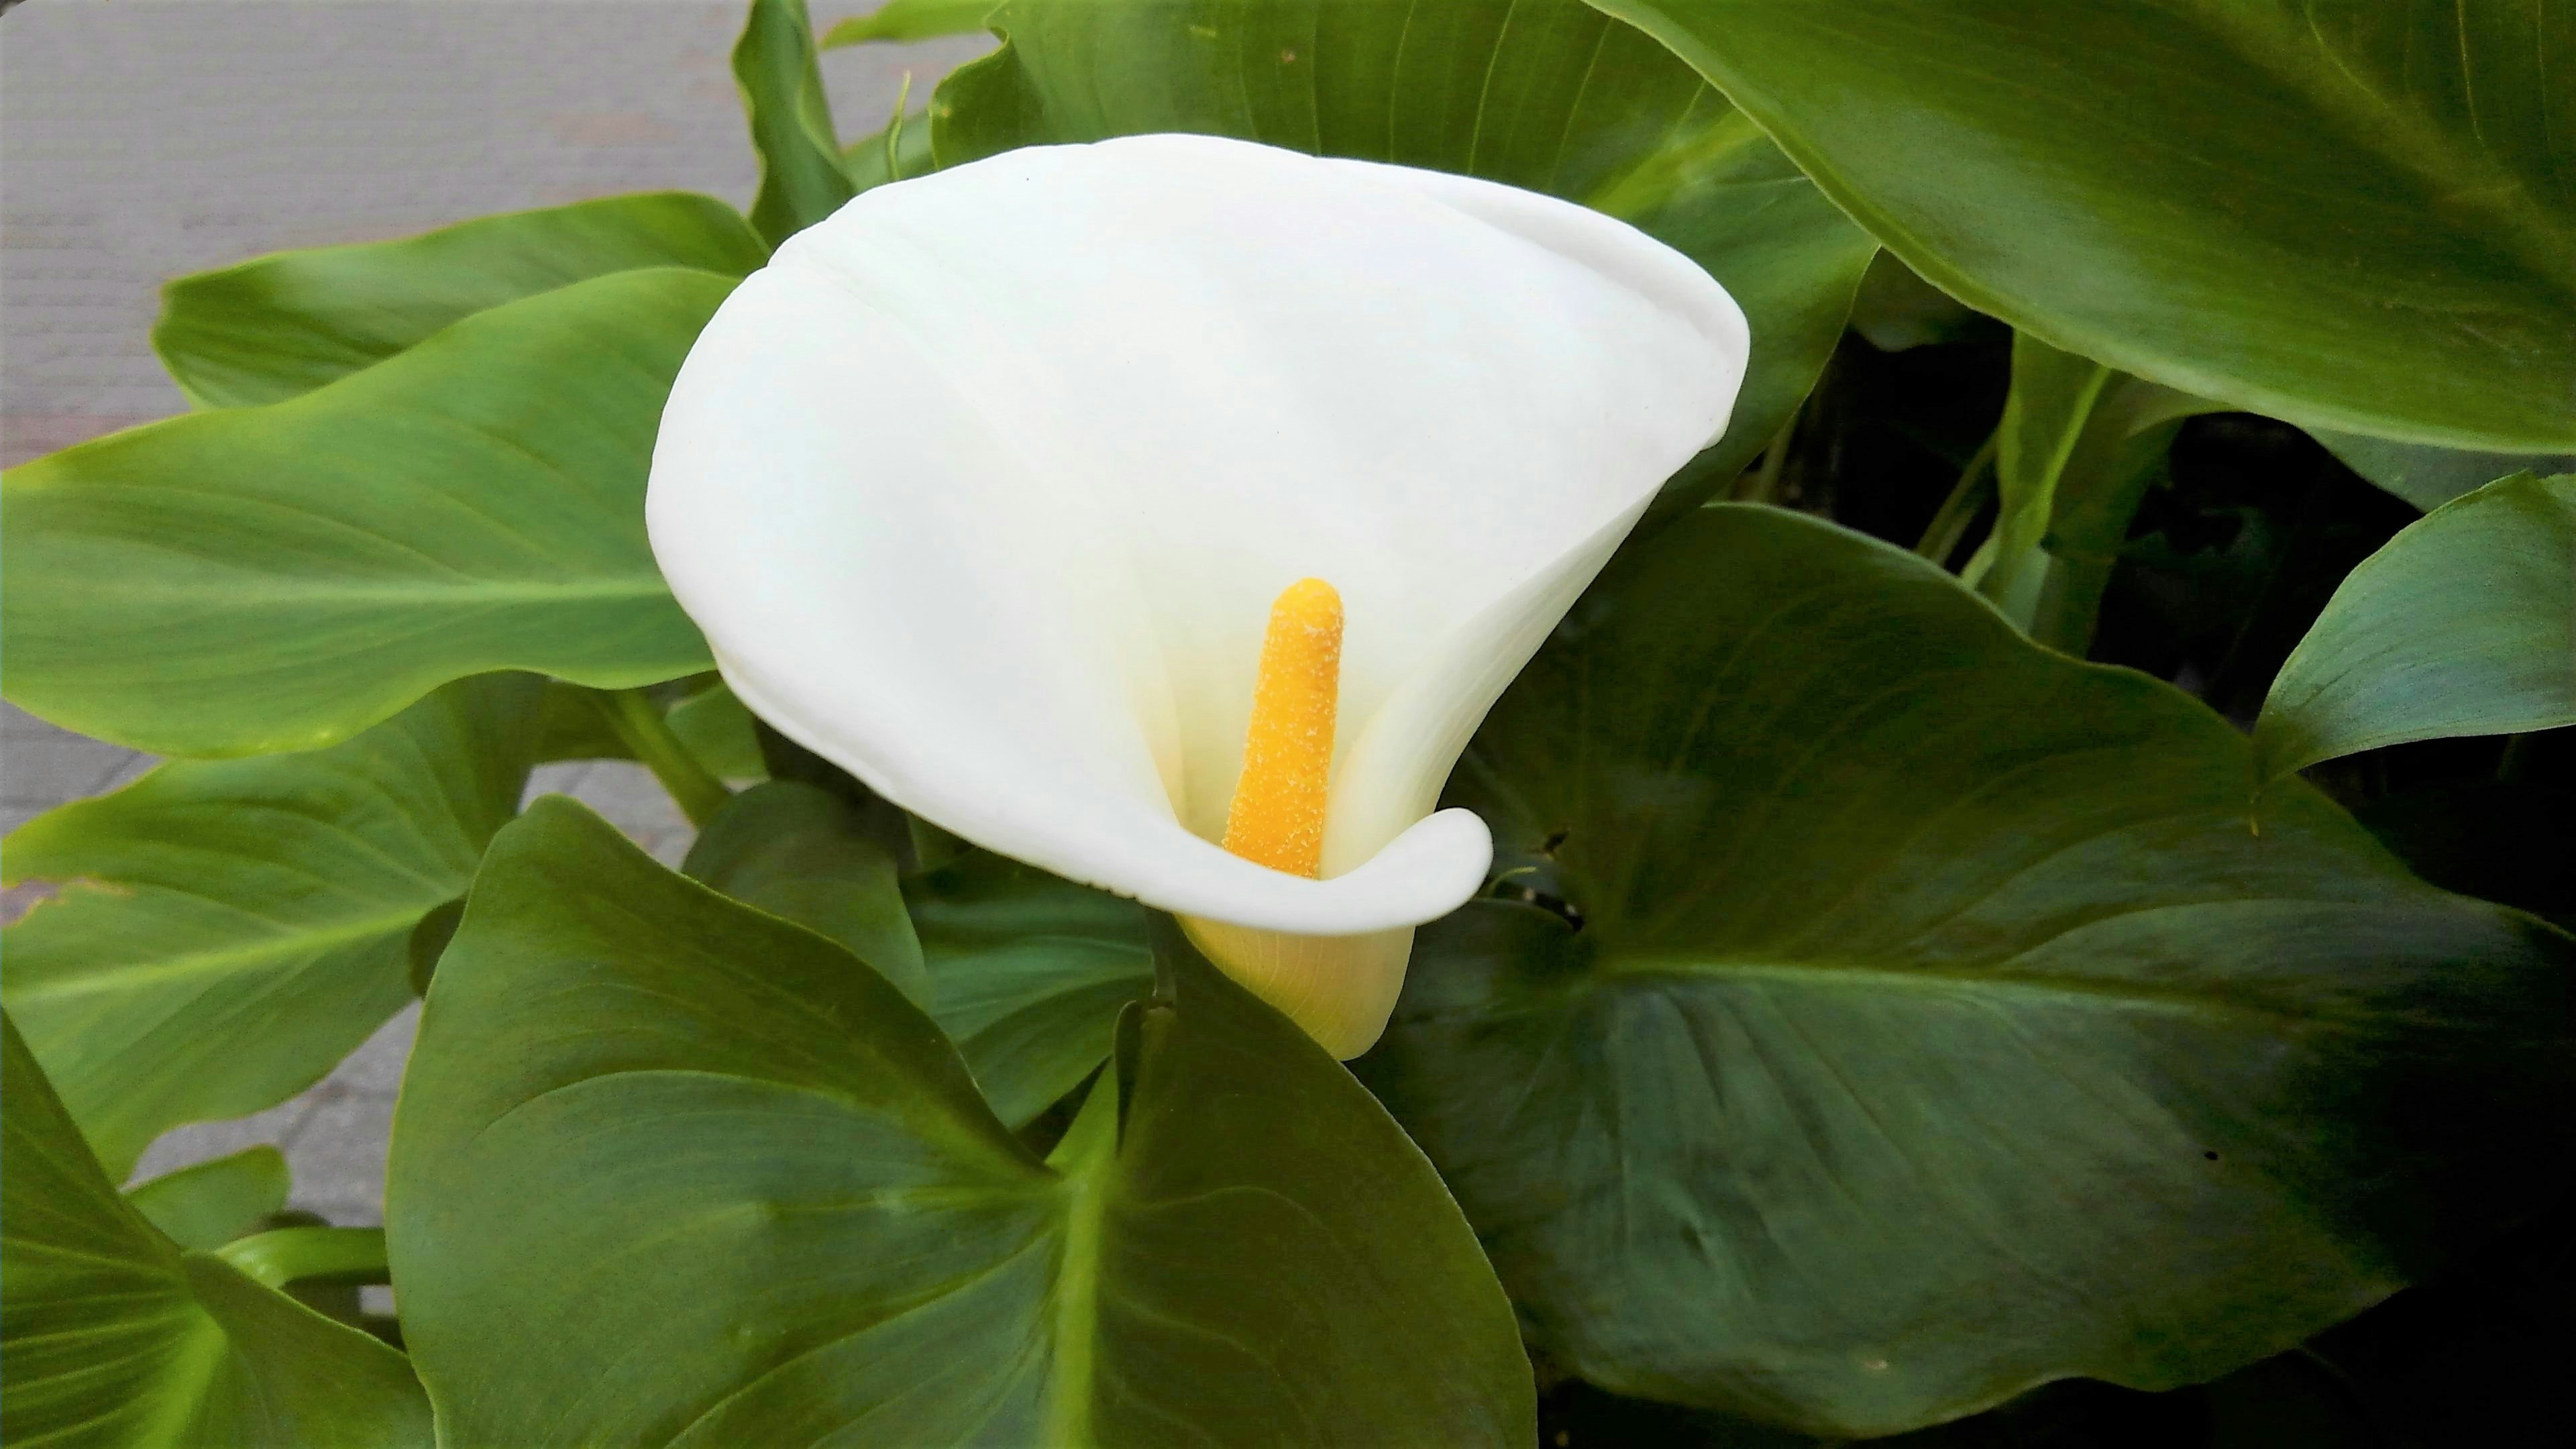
(983, 488)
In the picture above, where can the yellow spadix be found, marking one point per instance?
(1277, 818)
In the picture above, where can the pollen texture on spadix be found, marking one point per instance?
(1277, 818)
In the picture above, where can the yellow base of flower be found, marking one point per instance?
(1340, 989)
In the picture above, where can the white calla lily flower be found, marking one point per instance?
(985, 489)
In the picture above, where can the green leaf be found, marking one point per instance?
(282, 325)
(2078, 448)
(1541, 94)
(1030, 973)
(670, 1172)
(802, 854)
(212, 1203)
(2350, 214)
(229, 930)
(1896, 310)
(911, 20)
(309, 1254)
(716, 729)
(114, 1338)
(289, 575)
(570, 726)
(801, 177)
(2431, 477)
(1923, 1019)
(2464, 624)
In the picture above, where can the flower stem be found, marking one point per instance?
(1950, 524)
(631, 713)
(1764, 485)
(288, 1255)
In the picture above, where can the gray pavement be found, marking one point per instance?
(140, 139)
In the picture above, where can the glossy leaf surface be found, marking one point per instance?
(2464, 624)
(772, 1207)
(208, 1204)
(1936, 1025)
(114, 1338)
(801, 177)
(228, 930)
(800, 854)
(281, 325)
(2358, 214)
(290, 574)
(1030, 972)
(1541, 94)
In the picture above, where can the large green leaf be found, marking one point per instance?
(230, 929)
(2358, 214)
(670, 1172)
(280, 325)
(1542, 94)
(285, 576)
(2464, 624)
(802, 179)
(111, 1337)
(1923, 1019)
(2079, 446)
(209, 1204)
(1029, 973)
(2430, 477)
(802, 854)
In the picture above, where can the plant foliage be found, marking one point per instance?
(2030, 901)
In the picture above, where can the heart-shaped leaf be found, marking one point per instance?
(111, 1337)
(1542, 94)
(670, 1172)
(2348, 213)
(228, 930)
(281, 325)
(1903, 1014)
(287, 575)
(2463, 624)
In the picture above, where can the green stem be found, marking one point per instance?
(894, 130)
(1765, 487)
(1950, 523)
(288, 1255)
(2510, 764)
(639, 724)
